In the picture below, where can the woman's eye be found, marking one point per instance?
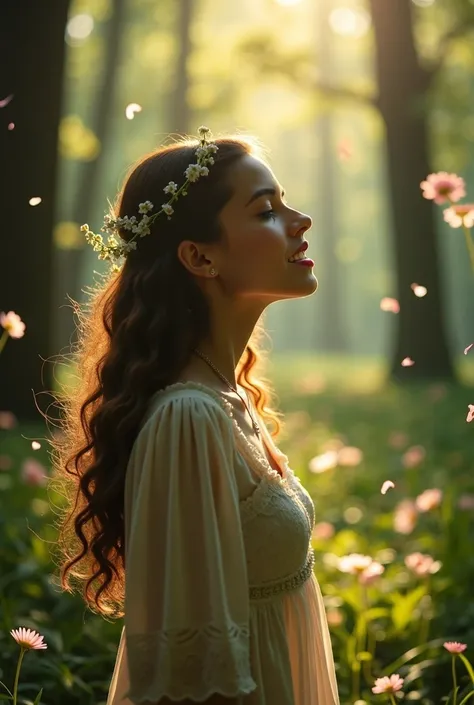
(266, 215)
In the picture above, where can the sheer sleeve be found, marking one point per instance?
(186, 593)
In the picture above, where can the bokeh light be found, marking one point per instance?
(349, 22)
(80, 27)
(288, 3)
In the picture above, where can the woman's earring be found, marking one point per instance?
(212, 272)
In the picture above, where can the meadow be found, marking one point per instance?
(404, 586)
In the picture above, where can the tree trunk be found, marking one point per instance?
(421, 333)
(32, 47)
(68, 261)
(180, 112)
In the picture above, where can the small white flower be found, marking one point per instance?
(203, 130)
(167, 209)
(193, 172)
(129, 223)
(142, 228)
(145, 207)
(85, 228)
(204, 170)
(112, 241)
(171, 188)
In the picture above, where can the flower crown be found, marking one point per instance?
(117, 248)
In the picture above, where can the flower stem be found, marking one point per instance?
(9, 692)
(455, 685)
(392, 699)
(17, 676)
(3, 340)
(469, 245)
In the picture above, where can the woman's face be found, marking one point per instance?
(261, 233)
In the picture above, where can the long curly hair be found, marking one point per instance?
(135, 336)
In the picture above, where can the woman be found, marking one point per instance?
(187, 519)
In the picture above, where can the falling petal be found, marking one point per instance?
(470, 413)
(387, 485)
(35, 201)
(407, 362)
(11, 125)
(466, 350)
(389, 304)
(5, 101)
(419, 290)
(35, 445)
(344, 150)
(131, 109)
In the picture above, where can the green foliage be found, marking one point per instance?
(398, 624)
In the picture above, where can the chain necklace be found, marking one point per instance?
(255, 425)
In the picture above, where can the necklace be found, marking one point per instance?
(255, 425)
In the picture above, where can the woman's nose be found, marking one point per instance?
(303, 224)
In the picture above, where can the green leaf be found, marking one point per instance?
(411, 654)
(403, 606)
(38, 697)
(6, 688)
(468, 667)
(376, 613)
(464, 700)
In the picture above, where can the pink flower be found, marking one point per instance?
(354, 563)
(462, 214)
(466, 502)
(405, 517)
(454, 647)
(33, 473)
(28, 639)
(397, 440)
(429, 499)
(413, 456)
(388, 484)
(13, 324)
(470, 413)
(389, 304)
(323, 530)
(442, 187)
(407, 362)
(371, 573)
(323, 462)
(334, 617)
(466, 350)
(422, 564)
(388, 684)
(5, 462)
(7, 420)
(350, 456)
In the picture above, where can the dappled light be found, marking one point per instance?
(134, 136)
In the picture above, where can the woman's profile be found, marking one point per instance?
(183, 518)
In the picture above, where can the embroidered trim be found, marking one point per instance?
(259, 592)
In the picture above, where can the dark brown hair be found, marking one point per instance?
(135, 336)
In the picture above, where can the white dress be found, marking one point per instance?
(220, 594)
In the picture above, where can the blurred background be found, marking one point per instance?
(357, 102)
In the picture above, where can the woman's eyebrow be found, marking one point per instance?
(264, 192)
